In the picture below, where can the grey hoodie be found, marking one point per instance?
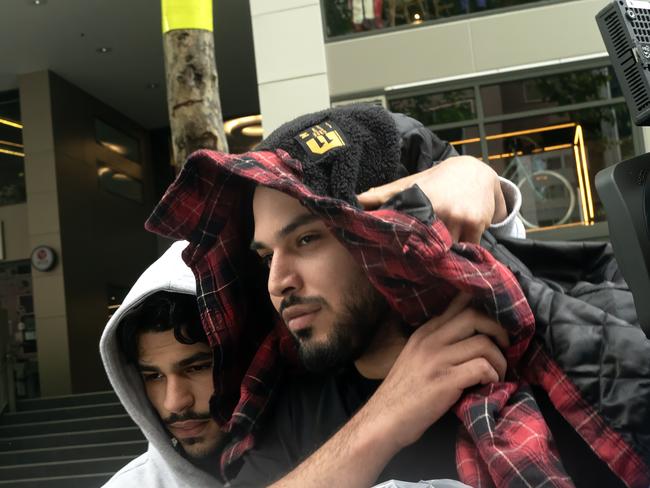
(161, 466)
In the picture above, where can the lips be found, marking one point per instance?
(188, 428)
(299, 316)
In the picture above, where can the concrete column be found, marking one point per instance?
(290, 59)
(44, 229)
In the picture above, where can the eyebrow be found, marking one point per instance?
(299, 221)
(199, 356)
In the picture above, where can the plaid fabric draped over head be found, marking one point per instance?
(505, 441)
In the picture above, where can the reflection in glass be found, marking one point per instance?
(543, 154)
(349, 16)
(465, 140)
(117, 141)
(550, 91)
(119, 184)
(437, 108)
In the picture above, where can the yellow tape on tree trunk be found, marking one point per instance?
(186, 14)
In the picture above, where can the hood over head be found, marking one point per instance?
(169, 273)
(404, 250)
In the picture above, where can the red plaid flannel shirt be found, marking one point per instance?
(505, 440)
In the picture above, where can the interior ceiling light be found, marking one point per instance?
(38, 3)
(11, 123)
(104, 50)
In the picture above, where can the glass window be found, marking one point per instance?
(554, 159)
(549, 91)
(465, 140)
(119, 184)
(117, 140)
(438, 108)
(12, 165)
(350, 16)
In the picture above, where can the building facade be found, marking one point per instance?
(524, 85)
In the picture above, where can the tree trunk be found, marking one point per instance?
(193, 100)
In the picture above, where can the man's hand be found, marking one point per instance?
(465, 194)
(442, 358)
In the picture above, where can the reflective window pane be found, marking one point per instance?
(119, 184)
(554, 159)
(343, 17)
(437, 108)
(117, 140)
(549, 91)
(464, 139)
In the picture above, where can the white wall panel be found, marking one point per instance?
(289, 44)
(284, 100)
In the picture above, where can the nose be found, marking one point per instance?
(178, 395)
(284, 278)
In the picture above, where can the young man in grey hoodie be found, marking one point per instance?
(160, 365)
(170, 463)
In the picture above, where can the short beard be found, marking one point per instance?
(190, 441)
(351, 334)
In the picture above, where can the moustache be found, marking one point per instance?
(292, 300)
(174, 417)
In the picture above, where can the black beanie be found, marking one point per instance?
(344, 151)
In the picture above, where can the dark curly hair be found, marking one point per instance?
(161, 312)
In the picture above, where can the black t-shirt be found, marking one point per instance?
(313, 408)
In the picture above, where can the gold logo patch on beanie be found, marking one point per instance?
(321, 139)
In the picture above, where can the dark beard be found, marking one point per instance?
(351, 334)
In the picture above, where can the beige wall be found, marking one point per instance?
(15, 231)
(532, 35)
(102, 235)
(289, 58)
(44, 229)
(98, 236)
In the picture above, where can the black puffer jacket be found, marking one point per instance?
(587, 324)
(586, 320)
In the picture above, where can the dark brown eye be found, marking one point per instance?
(306, 239)
(266, 260)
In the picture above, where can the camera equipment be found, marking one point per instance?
(623, 188)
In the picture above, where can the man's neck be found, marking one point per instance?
(379, 357)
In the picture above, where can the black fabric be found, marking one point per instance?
(419, 147)
(412, 201)
(586, 319)
(311, 409)
(575, 453)
(378, 147)
(369, 156)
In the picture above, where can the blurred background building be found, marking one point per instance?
(524, 85)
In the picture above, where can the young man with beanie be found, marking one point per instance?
(349, 294)
(158, 360)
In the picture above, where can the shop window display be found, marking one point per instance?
(549, 134)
